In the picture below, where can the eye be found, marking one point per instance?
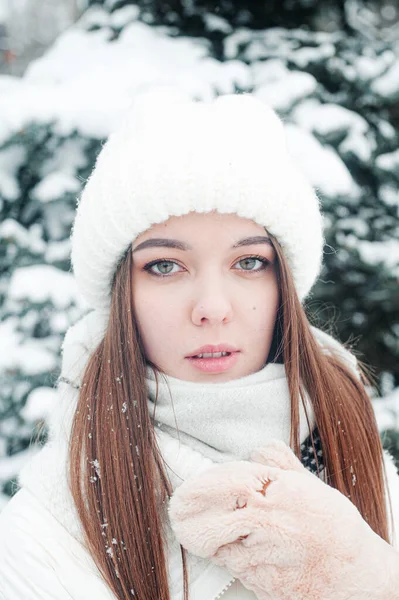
(250, 262)
(161, 268)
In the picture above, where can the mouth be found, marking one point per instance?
(214, 359)
(210, 355)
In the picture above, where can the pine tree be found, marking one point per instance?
(326, 70)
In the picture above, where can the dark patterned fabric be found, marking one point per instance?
(310, 454)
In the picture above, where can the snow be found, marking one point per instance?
(11, 466)
(359, 226)
(321, 164)
(326, 119)
(96, 466)
(54, 186)
(96, 16)
(268, 71)
(119, 18)
(388, 162)
(39, 404)
(303, 57)
(20, 355)
(68, 157)
(387, 130)
(335, 123)
(67, 85)
(58, 251)
(11, 159)
(358, 145)
(387, 86)
(387, 411)
(216, 23)
(384, 253)
(389, 195)
(252, 45)
(234, 41)
(368, 67)
(282, 94)
(38, 284)
(29, 239)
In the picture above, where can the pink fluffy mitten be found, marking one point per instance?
(282, 531)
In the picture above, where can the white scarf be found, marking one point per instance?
(198, 424)
(226, 421)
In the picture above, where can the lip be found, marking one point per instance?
(219, 364)
(210, 348)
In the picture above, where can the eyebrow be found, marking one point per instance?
(169, 243)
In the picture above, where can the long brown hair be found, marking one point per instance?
(117, 476)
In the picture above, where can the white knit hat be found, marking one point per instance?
(173, 156)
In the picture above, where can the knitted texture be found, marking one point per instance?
(172, 156)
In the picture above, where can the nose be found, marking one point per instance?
(212, 305)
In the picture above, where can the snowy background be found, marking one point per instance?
(333, 77)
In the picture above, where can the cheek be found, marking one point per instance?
(262, 306)
(157, 322)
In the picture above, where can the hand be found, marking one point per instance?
(282, 531)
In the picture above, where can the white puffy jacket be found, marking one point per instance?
(42, 556)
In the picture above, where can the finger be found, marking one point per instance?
(277, 454)
(230, 556)
(251, 550)
(254, 570)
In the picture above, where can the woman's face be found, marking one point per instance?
(205, 280)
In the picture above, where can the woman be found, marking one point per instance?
(168, 472)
